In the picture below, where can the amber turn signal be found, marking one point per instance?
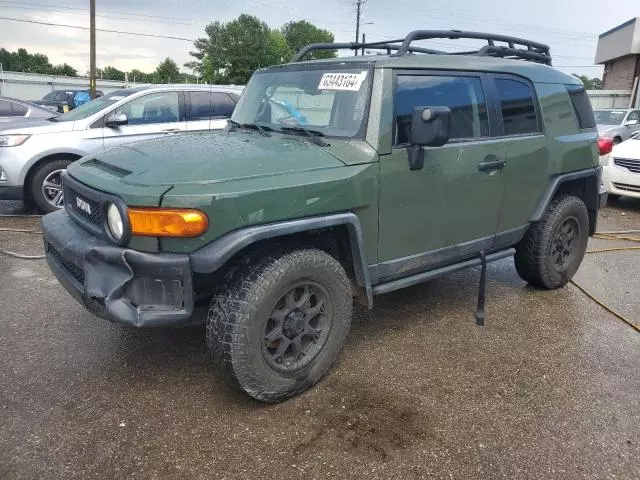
(167, 222)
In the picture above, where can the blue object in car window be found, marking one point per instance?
(293, 111)
(80, 98)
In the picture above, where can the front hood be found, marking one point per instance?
(629, 149)
(35, 126)
(204, 158)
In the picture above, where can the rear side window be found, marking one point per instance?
(221, 105)
(5, 109)
(581, 106)
(19, 110)
(200, 106)
(463, 95)
(518, 107)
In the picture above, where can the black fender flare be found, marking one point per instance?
(213, 256)
(592, 200)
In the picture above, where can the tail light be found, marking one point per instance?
(605, 145)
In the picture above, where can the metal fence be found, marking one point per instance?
(610, 98)
(33, 86)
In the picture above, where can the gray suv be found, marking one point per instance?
(33, 156)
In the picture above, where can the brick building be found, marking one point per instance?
(619, 51)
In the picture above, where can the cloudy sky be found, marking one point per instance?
(571, 27)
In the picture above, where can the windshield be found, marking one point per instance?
(331, 101)
(609, 117)
(92, 107)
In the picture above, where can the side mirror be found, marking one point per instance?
(116, 120)
(430, 127)
(631, 123)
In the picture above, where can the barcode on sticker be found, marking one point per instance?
(342, 81)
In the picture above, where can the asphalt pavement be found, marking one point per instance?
(548, 388)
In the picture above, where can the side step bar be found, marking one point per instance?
(425, 276)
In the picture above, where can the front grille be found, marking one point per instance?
(82, 206)
(628, 188)
(628, 163)
(75, 271)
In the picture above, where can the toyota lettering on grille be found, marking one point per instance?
(83, 205)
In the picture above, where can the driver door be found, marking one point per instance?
(150, 116)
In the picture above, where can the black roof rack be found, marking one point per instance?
(515, 47)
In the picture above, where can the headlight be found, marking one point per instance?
(12, 140)
(114, 222)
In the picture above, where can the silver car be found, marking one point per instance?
(33, 156)
(617, 124)
(13, 110)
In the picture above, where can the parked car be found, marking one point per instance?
(621, 169)
(337, 179)
(617, 124)
(33, 156)
(62, 100)
(12, 109)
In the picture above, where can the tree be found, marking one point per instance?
(166, 71)
(232, 51)
(589, 83)
(64, 69)
(302, 33)
(111, 73)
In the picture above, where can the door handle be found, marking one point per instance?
(491, 163)
(171, 130)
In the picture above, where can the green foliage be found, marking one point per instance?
(589, 83)
(232, 51)
(167, 72)
(302, 33)
(110, 73)
(23, 61)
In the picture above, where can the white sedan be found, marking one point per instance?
(621, 169)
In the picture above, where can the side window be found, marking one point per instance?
(19, 110)
(199, 106)
(518, 108)
(221, 105)
(463, 95)
(60, 96)
(153, 108)
(634, 116)
(5, 109)
(581, 106)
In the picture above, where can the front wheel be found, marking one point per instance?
(552, 249)
(277, 324)
(46, 186)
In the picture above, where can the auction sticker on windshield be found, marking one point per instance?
(342, 81)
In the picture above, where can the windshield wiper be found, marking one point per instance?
(312, 134)
(263, 129)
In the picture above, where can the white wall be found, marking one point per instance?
(609, 98)
(32, 86)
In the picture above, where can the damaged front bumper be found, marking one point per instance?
(115, 283)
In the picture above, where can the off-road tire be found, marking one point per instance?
(534, 259)
(36, 196)
(240, 309)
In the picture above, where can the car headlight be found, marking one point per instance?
(12, 140)
(115, 222)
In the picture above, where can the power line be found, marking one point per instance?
(97, 29)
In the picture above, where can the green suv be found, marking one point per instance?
(336, 180)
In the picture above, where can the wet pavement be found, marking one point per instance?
(549, 388)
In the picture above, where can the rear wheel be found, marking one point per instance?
(551, 251)
(277, 324)
(46, 186)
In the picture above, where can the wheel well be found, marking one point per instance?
(42, 161)
(334, 240)
(587, 190)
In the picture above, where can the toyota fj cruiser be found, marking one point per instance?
(337, 179)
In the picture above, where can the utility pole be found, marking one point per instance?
(358, 4)
(92, 48)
